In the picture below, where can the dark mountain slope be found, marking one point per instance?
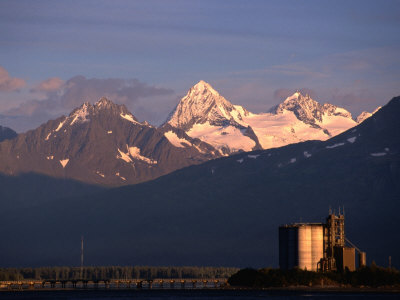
(100, 144)
(227, 211)
(7, 133)
(20, 193)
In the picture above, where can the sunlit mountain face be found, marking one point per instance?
(105, 144)
(203, 113)
(101, 144)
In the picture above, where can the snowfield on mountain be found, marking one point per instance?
(204, 114)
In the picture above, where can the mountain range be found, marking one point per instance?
(101, 144)
(225, 211)
(105, 144)
(203, 113)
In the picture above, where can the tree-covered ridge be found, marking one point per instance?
(114, 272)
(372, 276)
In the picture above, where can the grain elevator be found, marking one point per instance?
(317, 246)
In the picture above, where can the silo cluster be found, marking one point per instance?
(301, 245)
(317, 246)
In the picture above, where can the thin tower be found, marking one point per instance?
(81, 256)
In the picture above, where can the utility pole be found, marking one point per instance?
(82, 257)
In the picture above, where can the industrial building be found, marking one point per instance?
(318, 246)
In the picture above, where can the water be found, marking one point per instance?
(190, 294)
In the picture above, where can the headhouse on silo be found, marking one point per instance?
(317, 246)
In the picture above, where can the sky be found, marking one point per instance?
(55, 55)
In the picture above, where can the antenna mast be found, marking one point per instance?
(81, 256)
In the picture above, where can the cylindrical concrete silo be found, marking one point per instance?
(292, 247)
(362, 259)
(317, 245)
(304, 247)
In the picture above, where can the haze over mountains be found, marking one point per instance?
(225, 211)
(105, 144)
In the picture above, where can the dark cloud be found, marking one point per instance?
(9, 84)
(61, 97)
(80, 89)
(64, 96)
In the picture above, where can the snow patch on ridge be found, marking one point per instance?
(335, 145)
(123, 178)
(378, 154)
(176, 141)
(100, 174)
(60, 126)
(124, 156)
(134, 153)
(81, 115)
(129, 118)
(306, 154)
(253, 156)
(47, 137)
(352, 139)
(64, 162)
(50, 157)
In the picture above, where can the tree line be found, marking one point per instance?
(371, 276)
(114, 272)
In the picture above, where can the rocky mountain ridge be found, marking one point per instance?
(105, 144)
(204, 114)
(101, 144)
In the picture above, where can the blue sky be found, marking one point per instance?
(55, 55)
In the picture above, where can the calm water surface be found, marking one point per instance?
(193, 295)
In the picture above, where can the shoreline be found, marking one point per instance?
(327, 289)
(291, 289)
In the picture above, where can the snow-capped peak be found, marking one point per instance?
(365, 115)
(296, 95)
(104, 103)
(86, 112)
(81, 114)
(204, 104)
(305, 108)
(203, 87)
(308, 110)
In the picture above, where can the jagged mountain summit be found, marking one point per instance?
(104, 144)
(365, 115)
(308, 110)
(203, 113)
(204, 104)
